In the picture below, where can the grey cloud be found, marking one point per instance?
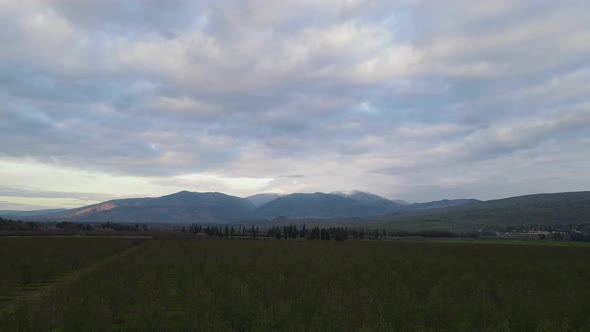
(29, 193)
(547, 168)
(253, 89)
(10, 206)
(499, 140)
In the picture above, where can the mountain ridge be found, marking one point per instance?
(180, 207)
(212, 207)
(314, 205)
(564, 208)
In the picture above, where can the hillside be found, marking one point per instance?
(376, 204)
(542, 209)
(34, 213)
(317, 205)
(261, 199)
(440, 204)
(182, 207)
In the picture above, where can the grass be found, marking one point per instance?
(30, 262)
(263, 285)
(516, 242)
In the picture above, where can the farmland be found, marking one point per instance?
(30, 263)
(299, 285)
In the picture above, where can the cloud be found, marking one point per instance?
(11, 206)
(380, 96)
(8, 191)
(294, 176)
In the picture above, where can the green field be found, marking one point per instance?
(29, 264)
(268, 285)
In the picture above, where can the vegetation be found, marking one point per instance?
(24, 227)
(30, 262)
(540, 209)
(18, 225)
(574, 233)
(247, 285)
(317, 205)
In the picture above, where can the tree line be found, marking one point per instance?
(19, 225)
(314, 233)
(571, 233)
(223, 231)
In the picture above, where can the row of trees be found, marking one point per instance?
(557, 228)
(19, 225)
(345, 233)
(289, 232)
(558, 232)
(331, 233)
(124, 227)
(223, 231)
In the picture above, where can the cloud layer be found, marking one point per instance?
(409, 99)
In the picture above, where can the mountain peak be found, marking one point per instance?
(357, 194)
(180, 193)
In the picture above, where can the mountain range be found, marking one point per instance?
(181, 207)
(211, 207)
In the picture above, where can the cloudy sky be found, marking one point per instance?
(409, 99)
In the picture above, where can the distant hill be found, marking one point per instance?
(194, 207)
(317, 205)
(376, 204)
(182, 207)
(15, 214)
(440, 204)
(344, 205)
(459, 214)
(542, 209)
(261, 199)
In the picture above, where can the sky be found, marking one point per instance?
(408, 99)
